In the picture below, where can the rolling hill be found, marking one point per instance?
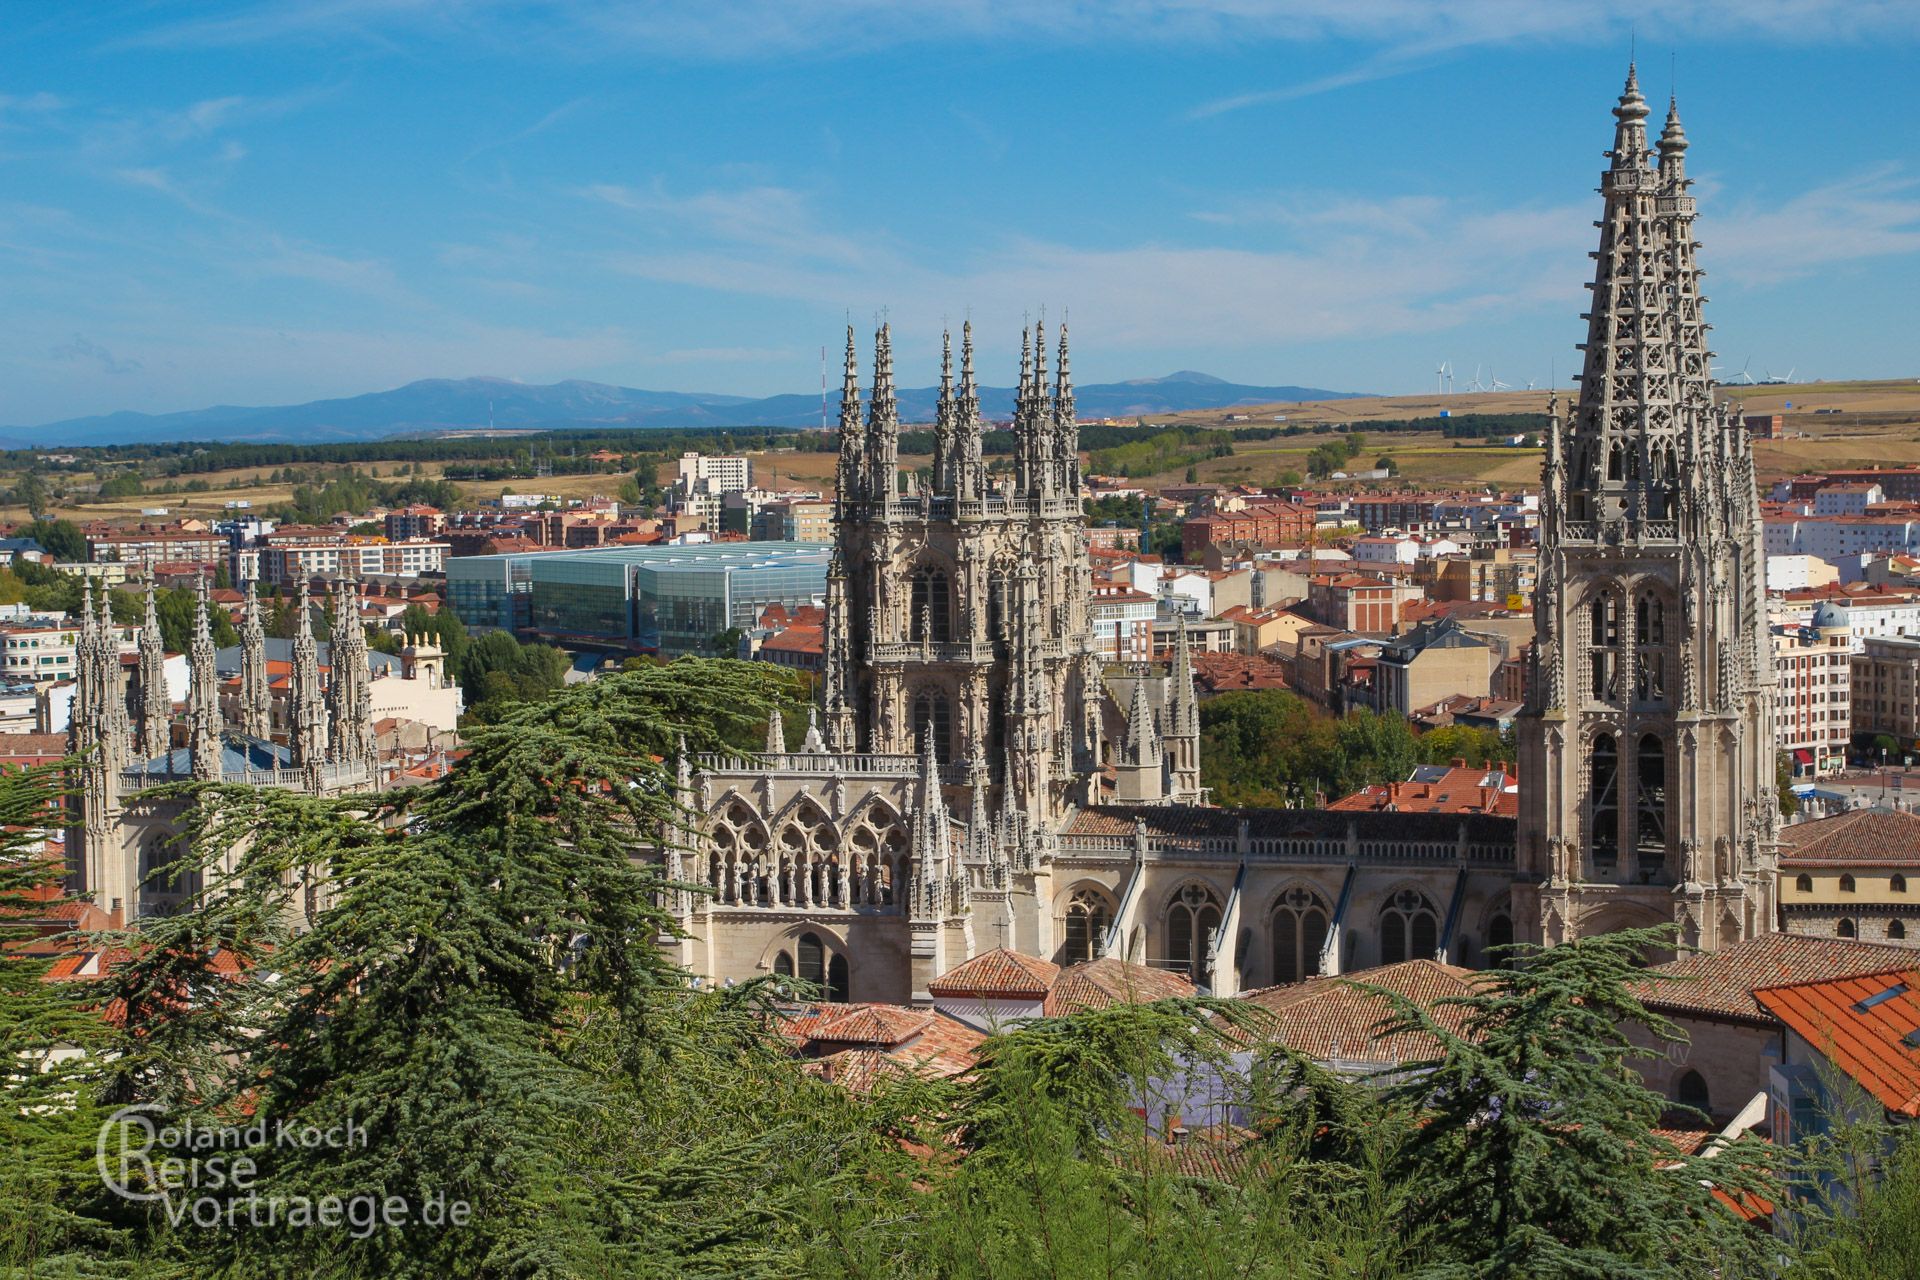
(446, 404)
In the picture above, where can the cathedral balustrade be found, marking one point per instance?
(1175, 849)
(928, 507)
(843, 764)
(333, 777)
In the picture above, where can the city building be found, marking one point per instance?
(415, 522)
(1885, 690)
(148, 547)
(295, 553)
(1813, 720)
(1847, 877)
(1647, 738)
(1433, 661)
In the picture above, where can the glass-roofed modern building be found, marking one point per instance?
(665, 599)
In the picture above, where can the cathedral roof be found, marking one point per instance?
(999, 972)
(238, 755)
(1863, 837)
(1332, 1018)
(1721, 983)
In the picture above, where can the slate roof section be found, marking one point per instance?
(1860, 838)
(1868, 1025)
(998, 974)
(1330, 1019)
(1720, 984)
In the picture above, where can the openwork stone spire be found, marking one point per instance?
(932, 834)
(971, 481)
(156, 708)
(946, 417)
(850, 478)
(256, 699)
(203, 692)
(309, 710)
(883, 423)
(349, 688)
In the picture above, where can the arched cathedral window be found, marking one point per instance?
(1650, 808)
(1409, 928)
(1649, 652)
(933, 713)
(1088, 918)
(1193, 917)
(1604, 820)
(1605, 618)
(932, 605)
(823, 968)
(1299, 934)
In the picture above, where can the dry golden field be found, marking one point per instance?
(1871, 423)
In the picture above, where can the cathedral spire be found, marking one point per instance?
(1630, 133)
(837, 688)
(972, 481)
(776, 733)
(1183, 715)
(256, 700)
(1673, 145)
(349, 688)
(308, 736)
(945, 421)
(203, 692)
(1143, 731)
(931, 838)
(883, 423)
(848, 480)
(156, 706)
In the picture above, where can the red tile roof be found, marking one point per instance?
(998, 973)
(1721, 983)
(884, 1025)
(1328, 1018)
(1459, 790)
(1097, 984)
(1867, 1025)
(1863, 837)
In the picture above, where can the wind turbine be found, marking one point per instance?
(1476, 384)
(1442, 378)
(1497, 384)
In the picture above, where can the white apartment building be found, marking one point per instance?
(1813, 718)
(1835, 538)
(349, 557)
(713, 473)
(1799, 572)
(1122, 623)
(1847, 499)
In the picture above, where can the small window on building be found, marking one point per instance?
(1804, 884)
(1846, 929)
(1897, 929)
(1846, 884)
(1898, 884)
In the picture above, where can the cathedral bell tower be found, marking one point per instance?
(1646, 742)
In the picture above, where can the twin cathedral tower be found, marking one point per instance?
(982, 761)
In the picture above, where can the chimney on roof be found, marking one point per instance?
(1458, 762)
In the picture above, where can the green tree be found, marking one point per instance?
(1538, 1152)
(1356, 443)
(31, 492)
(52, 1206)
(60, 539)
(1387, 464)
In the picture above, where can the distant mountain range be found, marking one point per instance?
(437, 405)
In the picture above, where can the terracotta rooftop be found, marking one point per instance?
(999, 973)
(1330, 1018)
(1097, 984)
(1721, 983)
(1862, 837)
(1440, 789)
(858, 1045)
(1868, 1025)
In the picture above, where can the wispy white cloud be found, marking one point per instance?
(89, 352)
(760, 28)
(1866, 216)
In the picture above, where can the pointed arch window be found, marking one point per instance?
(932, 604)
(1299, 935)
(1650, 808)
(1499, 934)
(1649, 654)
(1409, 928)
(1605, 645)
(932, 712)
(1604, 820)
(1193, 917)
(1088, 918)
(1691, 1091)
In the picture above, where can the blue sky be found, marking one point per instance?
(257, 203)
